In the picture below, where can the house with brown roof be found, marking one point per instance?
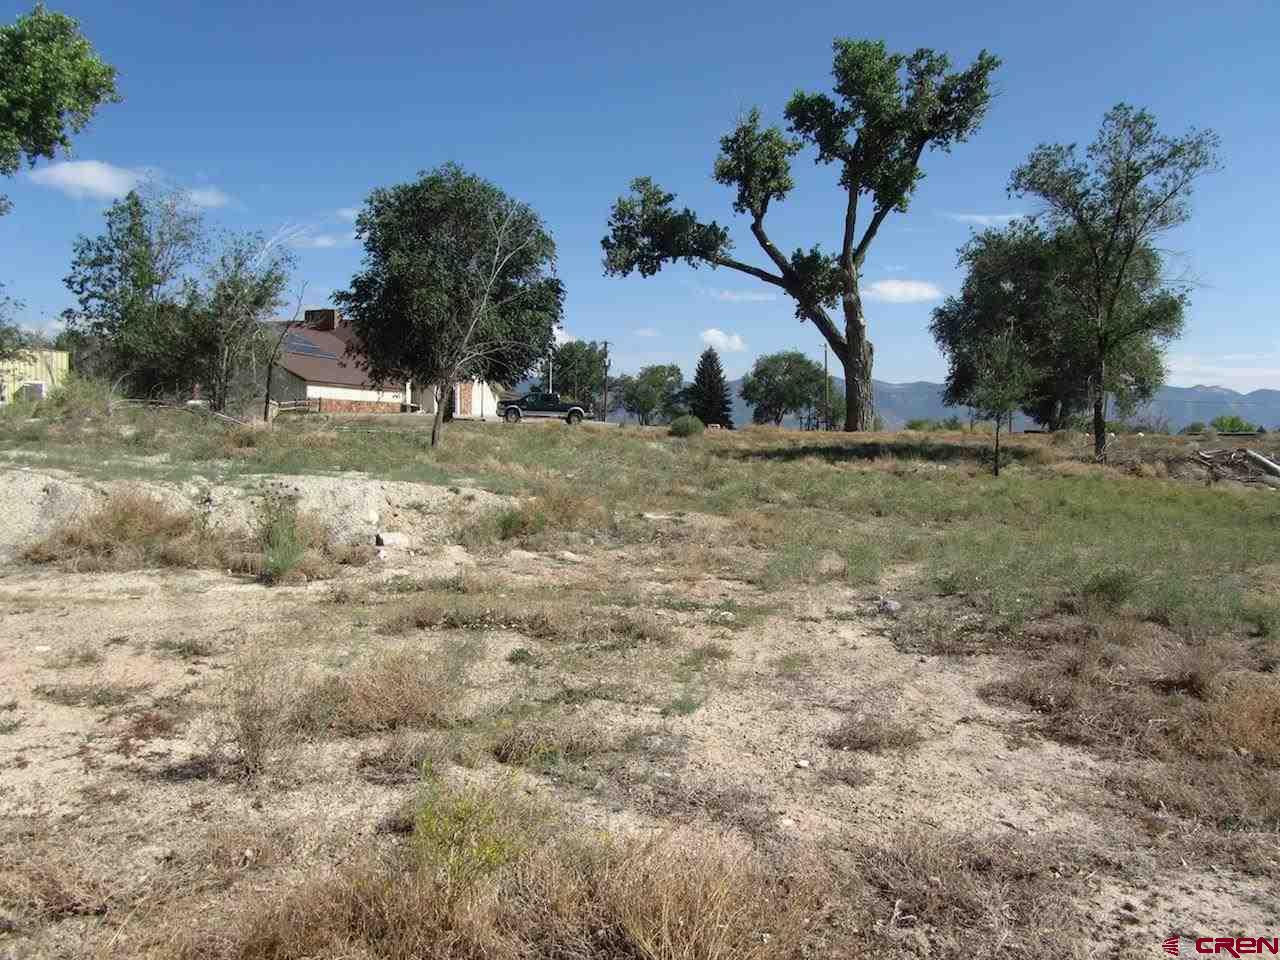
(315, 365)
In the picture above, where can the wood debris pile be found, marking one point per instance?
(1241, 465)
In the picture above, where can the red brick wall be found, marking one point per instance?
(328, 405)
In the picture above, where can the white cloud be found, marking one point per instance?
(208, 197)
(87, 178)
(564, 336)
(742, 296)
(646, 332)
(984, 219)
(347, 213)
(306, 238)
(724, 342)
(902, 291)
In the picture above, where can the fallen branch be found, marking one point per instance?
(1270, 466)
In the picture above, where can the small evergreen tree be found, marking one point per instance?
(709, 396)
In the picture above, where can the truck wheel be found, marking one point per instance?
(575, 417)
(512, 416)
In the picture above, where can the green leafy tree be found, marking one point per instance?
(708, 397)
(653, 393)
(1196, 426)
(51, 83)
(780, 384)
(224, 337)
(458, 281)
(579, 369)
(161, 307)
(1003, 377)
(888, 109)
(132, 285)
(1232, 423)
(1132, 185)
(1023, 278)
(14, 341)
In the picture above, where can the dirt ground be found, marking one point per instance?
(109, 681)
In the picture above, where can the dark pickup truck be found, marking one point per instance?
(545, 405)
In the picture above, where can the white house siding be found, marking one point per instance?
(320, 391)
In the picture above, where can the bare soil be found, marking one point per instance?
(111, 685)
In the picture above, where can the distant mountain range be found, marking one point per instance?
(899, 402)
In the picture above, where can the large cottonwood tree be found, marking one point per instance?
(1132, 185)
(887, 110)
(458, 281)
(51, 83)
(1022, 279)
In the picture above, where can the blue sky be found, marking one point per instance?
(284, 115)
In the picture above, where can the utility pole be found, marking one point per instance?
(604, 411)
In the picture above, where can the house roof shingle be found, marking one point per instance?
(320, 356)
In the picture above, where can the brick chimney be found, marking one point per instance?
(324, 319)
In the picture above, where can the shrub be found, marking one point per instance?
(1232, 423)
(79, 398)
(257, 723)
(488, 874)
(686, 426)
(1109, 588)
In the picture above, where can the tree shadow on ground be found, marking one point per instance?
(935, 451)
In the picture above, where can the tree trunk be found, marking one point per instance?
(1099, 412)
(997, 444)
(266, 403)
(859, 399)
(442, 391)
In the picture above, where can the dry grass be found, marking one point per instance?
(872, 733)
(407, 756)
(134, 529)
(270, 707)
(560, 509)
(405, 687)
(535, 618)
(1244, 712)
(43, 880)
(969, 896)
(541, 743)
(486, 874)
(1231, 795)
(91, 693)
